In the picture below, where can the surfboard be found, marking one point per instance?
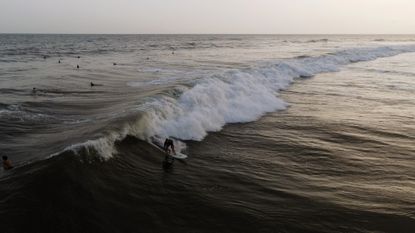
(158, 145)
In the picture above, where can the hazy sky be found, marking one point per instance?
(208, 16)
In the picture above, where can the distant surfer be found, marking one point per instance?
(95, 84)
(169, 143)
(34, 91)
(77, 66)
(7, 165)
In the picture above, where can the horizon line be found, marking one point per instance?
(282, 34)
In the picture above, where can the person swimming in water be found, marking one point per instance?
(169, 143)
(7, 165)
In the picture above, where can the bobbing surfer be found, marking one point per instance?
(7, 165)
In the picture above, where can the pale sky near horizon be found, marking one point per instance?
(208, 16)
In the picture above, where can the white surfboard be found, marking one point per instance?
(157, 144)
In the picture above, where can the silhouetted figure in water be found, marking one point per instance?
(114, 64)
(59, 61)
(169, 143)
(148, 58)
(168, 159)
(95, 84)
(77, 66)
(79, 57)
(34, 90)
(44, 57)
(7, 165)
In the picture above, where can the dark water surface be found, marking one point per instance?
(283, 133)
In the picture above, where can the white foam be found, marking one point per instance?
(103, 146)
(210, 104)
(244, 96)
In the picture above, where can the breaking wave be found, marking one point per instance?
(234, 96)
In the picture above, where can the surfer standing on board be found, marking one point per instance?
(169, 143)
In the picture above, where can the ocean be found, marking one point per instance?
(284, 133)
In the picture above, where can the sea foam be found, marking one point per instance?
(240, 96)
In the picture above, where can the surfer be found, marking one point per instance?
(7, 165)
(169, 143)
